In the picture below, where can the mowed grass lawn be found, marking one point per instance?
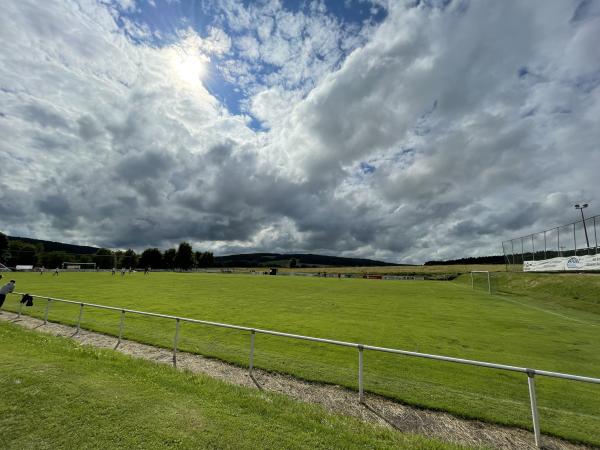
(447, 318)
(402, 270)
(58, 394)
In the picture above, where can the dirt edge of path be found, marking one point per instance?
(337, 399)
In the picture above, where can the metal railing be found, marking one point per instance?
(531, 373)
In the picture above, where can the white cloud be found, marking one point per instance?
(479, 121)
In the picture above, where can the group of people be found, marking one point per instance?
(123, 270)
(43, 269)
(10, 286)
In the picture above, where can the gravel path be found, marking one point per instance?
(336, 399)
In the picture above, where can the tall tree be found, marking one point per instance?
(104, 259)
(22, 253)
(129, 259)
(184, 259)
(198, 259)
(205, 259)
(4, 254)
(151, 257)
(54, 259)
(169, 258)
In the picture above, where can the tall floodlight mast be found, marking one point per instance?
(581, 208)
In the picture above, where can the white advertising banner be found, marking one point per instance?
(564, 264)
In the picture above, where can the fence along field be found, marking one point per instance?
(446, 318)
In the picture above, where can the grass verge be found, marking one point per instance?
(58, 394)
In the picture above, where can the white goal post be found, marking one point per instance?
(78, 266)
(489, 282)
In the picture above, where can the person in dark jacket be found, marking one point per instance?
(5, 290)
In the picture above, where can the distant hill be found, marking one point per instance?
(244, 260)
(283, 260)
(51, 246)
(496, 259)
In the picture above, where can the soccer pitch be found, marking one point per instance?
(554, 329)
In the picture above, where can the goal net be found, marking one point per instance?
(481, 279)
(3, 268)
(78, 266)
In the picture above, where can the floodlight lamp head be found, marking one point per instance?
(585, 205)
(577, 206)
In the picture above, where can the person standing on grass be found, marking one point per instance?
(55, 274)
(114, 270)
(5, 290)
(42, 270)
(122, 271)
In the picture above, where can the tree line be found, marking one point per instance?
(14, 252)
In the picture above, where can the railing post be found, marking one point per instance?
(361, 392)
(121, 325)
(534, 409)
(251, 365)
(46, 312)
(79, 318)
(472, 282)
(175, 343)
(489, 283)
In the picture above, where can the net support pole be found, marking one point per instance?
(175, 341)
(534, 409)
(545, 256)
(251, 361)
(595, 238)
(489, 283)
(79, 318)
(121, 326)
(522, 252)
(46, 311)
(558, 240)
(532, 248)
(512, 246)
(20, 310)
(361, 391)
(472, 281)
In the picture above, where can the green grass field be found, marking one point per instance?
(544, 322)
(404, 270)
(58, 394)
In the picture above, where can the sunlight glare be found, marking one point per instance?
(190, 68)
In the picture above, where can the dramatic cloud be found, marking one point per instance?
(405, 131)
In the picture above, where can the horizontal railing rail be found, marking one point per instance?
(531, 373)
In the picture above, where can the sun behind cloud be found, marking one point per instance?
(189, 68)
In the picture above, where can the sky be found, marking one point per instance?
(403, 131)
